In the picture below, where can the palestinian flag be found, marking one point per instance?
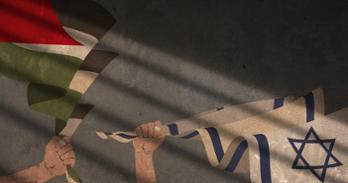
(50, 44)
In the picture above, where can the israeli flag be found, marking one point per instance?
(290, 140)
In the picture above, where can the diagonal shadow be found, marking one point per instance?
(172, 109)
(22, 120)
(160, 103)
(293, 49)
(97, 157)
(276, 121)
(173, 148)
(135, 60)
(191, 156)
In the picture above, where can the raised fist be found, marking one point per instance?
(149, 137)
(58, 154)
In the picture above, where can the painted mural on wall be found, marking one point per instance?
(281, 140)
(50, 44)
(278, 140)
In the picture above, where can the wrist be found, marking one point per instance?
(143, 152)
(43, 174)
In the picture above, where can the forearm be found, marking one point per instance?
(34, 174)
(145, 171)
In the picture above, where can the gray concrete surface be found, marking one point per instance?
(179, 58)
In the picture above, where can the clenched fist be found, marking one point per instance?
(149, 137)
(58, 154)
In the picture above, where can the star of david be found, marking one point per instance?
(312, 138)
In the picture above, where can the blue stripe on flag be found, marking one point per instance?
(237, 156)
(214, 136)
(126, 136)
(173, 128)
(278, 102)
(310, 106)
(190, 135)
(265, 161)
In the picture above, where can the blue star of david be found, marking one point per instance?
(316, 140)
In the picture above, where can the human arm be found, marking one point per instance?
(149, 137)
(58, 154)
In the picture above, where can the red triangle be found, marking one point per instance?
(31, 21)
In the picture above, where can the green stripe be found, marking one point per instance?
(73, 174)
(60, 107)
(49, 76)
(38, 67)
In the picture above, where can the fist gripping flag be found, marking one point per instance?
(294, 142)
(50, 44)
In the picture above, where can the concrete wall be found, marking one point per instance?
(178, 58)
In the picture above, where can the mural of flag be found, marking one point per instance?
(287, 140)
(50, 44)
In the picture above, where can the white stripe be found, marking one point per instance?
(82, 80)
(254, 159)
(79, 51)
(70, 127)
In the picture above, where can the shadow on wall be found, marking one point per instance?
(283, 47)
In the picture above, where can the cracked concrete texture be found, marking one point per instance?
(178, 58)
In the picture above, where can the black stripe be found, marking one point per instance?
(81, 110)
(97, 60)
(84, 15)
